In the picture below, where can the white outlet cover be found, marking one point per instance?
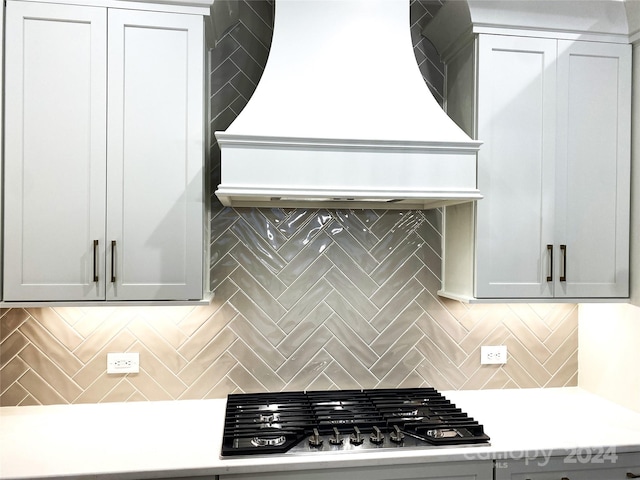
(126, 362)
(493, 354)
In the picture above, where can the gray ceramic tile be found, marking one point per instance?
(305, 283)
(343, 332)
(257, 317)
(396, 329)
(394, 355)
(352, 270)
(404, 296)
(302, 241)
(11, 321)
(250, 335)
(351, 317)
(257, 294)
(358, 300)
(257, 366)
(303, 354)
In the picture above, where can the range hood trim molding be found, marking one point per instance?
(239, 197)
(227, 140)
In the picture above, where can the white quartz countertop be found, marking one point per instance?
(183, 438)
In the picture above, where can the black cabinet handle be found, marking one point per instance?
(631, 475)
(550, 250)
(563, 276)
(95, 260)
(113, 261)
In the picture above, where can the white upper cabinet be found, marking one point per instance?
(553, 111)
(103, 154)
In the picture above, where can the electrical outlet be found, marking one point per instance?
(493, 355)
(128, 362)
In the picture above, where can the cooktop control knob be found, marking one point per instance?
(396, 436)
(315, 440)
(377, 436)
(336, 438)
(356, 438)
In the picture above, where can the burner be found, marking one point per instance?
(269, 421)
(268, 441)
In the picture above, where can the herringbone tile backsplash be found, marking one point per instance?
(304, 299)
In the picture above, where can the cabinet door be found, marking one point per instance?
(516, 122)
(55, 121)
(593, 158)
(471, 470)
(598, 463)
(155, 156)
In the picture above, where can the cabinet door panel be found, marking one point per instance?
(155, 151)
(516, 122)
(598, 463)
(427, 471)
(593, 168)
(54, 151)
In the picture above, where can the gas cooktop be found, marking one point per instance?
(345, 421)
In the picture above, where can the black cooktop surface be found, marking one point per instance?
(344, 420)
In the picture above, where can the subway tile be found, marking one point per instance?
(404, 296)
(351, 317)
(306, 350)
(309, 371)
(11, 372)
(357, 346)
(310, 239)
(122, 392)
(148, 386)
(304, 316)
(40, 390)
(11, 346)
(46, 342)
(352, 270)
(14, 395)
(303, 272)
(211, 378)
(207, 355)
(340, 377)
(356, 298)
(396, 329)
(400, 359)
(54, 324)
(246, 382)
(258, 317)
(259, 295)
(11, 321)
(250, 335)
(263, 275)
(50, 373)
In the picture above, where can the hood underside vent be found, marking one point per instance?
(342, 118)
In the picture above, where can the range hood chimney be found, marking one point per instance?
(342, 118)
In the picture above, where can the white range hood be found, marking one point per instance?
(342, 118)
